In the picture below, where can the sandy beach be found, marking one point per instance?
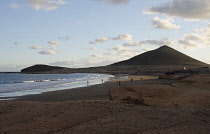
(88, 110)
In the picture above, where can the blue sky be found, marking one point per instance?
(86, 33)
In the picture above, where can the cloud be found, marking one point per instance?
(36, 47)
(119, 37)
(132, 44)
(77, 22)
(114, 2)
(64, 38)
(163, 41)
(123, 53)
(123, 37)
(46, 5)
(99, 40)
(120, 48)
(164, 23)
(12, 67)
(188, 9)
(14, 5)
(63, 63)
(96, 56)
(54, 43)
(93, 60)
(49, 52)
(53, 47)
(193, 36)
(93, 48)
(200, 38)
(187, 44)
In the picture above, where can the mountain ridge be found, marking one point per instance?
(163, 55)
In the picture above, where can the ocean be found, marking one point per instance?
(16, 84)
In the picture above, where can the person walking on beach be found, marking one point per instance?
(87, 83)
(119, 82)
(102, 80)
(131, 80)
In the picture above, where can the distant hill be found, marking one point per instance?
(162, 56)
(160, 60)
(40, 68)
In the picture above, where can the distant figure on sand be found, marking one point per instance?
(102, 80)
(87, 83)
(131, 80)
(119, 82)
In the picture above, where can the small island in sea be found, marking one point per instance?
(165, 91)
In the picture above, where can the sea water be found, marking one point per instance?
(16, 84)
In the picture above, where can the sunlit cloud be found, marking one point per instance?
(99, 40)
(132, 44)
(161, 42)
(123, 37)
(114, 2)
(96, 56)
(164, 23)
(49, 52)
(54, 43)
(188, 9)
(119, 37)
(46, 5)
(36, 47)
(14, 5)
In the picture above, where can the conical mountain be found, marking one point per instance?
(162, 56)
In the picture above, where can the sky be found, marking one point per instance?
(87, 33)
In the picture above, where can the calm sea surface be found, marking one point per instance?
(23, 84)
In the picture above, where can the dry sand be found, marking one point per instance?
(88, 110)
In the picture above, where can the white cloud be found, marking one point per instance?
(14, 5)
(78, 22)
(124, 52)
(164, 23)
(96, 56)
(187, 44)
(63, 63)
(64, 38)
(54, 43)
(120, 48)
(46, 5)
(12, 67)
(193, 36)
(53, 47)
(163, 41)
(93, 48)
(99, 40)
(119, 37)
(123, 37)
(188, 9)
(108, 54)
(200, 38)
(114, 2)
(36, 47)
(132, 44)
(49, 52)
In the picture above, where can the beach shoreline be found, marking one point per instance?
(92, 92)
(89, 110)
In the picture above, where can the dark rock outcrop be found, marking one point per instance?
(40, 68)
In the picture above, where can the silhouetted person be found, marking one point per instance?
(119, 82)
(131, 80)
